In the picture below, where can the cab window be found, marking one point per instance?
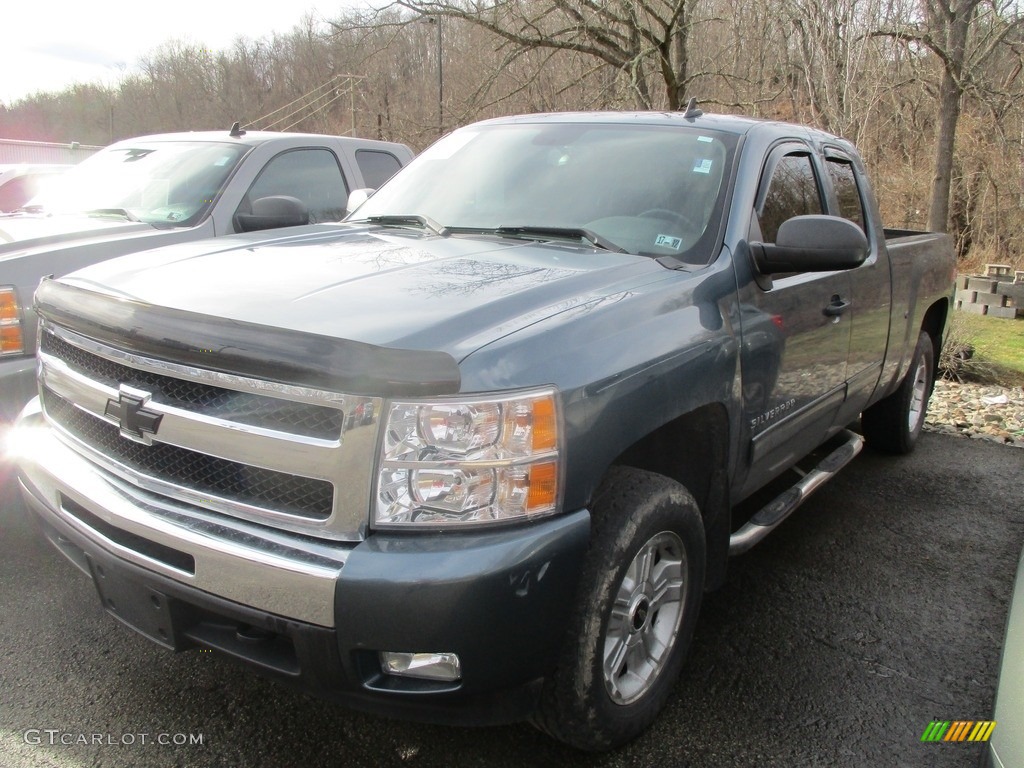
(792, 191)
(376, 166)
(844, 183)
(311, 175)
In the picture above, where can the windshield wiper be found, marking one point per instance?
(398, 220)
(578, 233)
(123, 212)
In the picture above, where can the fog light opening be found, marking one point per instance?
(425, 666)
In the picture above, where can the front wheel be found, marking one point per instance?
(640, 594)
(893, 425)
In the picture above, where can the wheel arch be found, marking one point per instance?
(693, 450)
(934, 324)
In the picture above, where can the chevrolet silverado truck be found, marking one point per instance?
(476, 454)
(156, 190)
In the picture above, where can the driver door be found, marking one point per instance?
(795, 329)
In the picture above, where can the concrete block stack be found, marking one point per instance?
(997, 293)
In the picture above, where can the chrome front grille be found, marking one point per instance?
(291, 457)
(219, 478)
(246, 408)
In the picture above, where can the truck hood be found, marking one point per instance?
(386, 287)
(20, 232)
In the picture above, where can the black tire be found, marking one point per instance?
(646, 555)
(893, 425)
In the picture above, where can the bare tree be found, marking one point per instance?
(964, 35)
(833, 60)
(636, 37)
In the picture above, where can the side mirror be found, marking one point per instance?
(357, 198)
(812, 244)
(273, 212)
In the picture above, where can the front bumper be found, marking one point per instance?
(17, 386)
(316, 614)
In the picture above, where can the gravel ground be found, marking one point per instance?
(984, 412)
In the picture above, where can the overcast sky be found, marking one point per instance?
(48, 45)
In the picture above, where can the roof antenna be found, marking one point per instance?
(691, 109)
(237, 130)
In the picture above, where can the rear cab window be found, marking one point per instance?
(376, 166)
(848, 200)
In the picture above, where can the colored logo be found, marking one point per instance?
(959, 730)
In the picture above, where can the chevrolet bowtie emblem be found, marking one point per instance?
(130, 414)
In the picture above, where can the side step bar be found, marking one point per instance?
(771, 516)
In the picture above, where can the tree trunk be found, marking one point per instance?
(949, 115)
(680, 63)
(953, 22)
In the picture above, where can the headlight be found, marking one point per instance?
(472, 460)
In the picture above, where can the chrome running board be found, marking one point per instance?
(769, 517)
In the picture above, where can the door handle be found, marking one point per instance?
(836, 307)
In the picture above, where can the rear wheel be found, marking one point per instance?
(640, 593)
(894, 424)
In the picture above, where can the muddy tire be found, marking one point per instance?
(893, 425)
(634, 617)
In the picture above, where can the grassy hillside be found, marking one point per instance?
(998, 349)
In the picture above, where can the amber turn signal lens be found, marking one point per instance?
(8, 305)
(543, 487)
(545, 425)
(11, 341)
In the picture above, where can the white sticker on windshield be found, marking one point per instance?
(667, 241)
(705, 139)
(702, 166)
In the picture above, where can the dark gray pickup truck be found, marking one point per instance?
(477, 454)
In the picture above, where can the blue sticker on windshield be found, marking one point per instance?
(667, 241)
(705, 139)
(702, 166)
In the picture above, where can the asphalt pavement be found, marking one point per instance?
(878, 607)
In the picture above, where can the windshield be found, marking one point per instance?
(650, 190)
(170, 183)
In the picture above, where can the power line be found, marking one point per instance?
(270, 126)
(308, 102)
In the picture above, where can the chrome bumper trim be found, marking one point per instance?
(269, 571)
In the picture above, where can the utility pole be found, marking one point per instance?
(436, 20)
(352, 102)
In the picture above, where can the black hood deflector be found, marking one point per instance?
(247, 349)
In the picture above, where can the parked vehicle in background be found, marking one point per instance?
(1005, 749)
(20, 182)
(477, 454)
(151, 191)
